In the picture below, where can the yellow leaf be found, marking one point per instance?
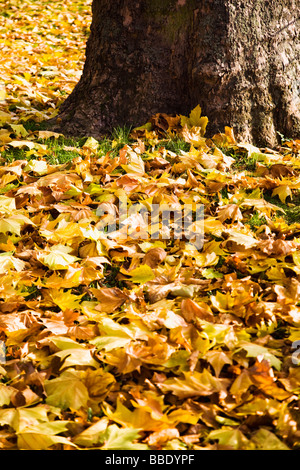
(37, 166)
(67, 390)
(13, 224)
(110, 298)
(194, 136)
(135, 165)
(282, 191)
(194, 384)
(6, 393)
(7, 204)
(231, 438)
(19, 130)
(43, 436)
(91, 144)
(58, 258)
(2, 92)
(48, 134)
(247, 241)
(141, 275)
(195, 120)
(64, 299)
(8, 261)
(4, 117)
(249, 147)
(92, 435)
(4, 136)
(22, 143)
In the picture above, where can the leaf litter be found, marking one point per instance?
(120, 342)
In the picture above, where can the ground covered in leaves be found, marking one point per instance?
(138, 342)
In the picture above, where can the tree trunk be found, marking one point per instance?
(238, 59)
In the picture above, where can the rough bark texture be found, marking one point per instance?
(238, 59)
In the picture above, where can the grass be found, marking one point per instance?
(121, 136)
(57, 151)
(256, 220)
(291, 207)
(175, 145)
(64, 149)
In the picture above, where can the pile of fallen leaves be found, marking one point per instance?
(141, 343)
(42, 47)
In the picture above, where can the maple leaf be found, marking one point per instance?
(141, 417)
(230, 211)
(58, 257)
(154, 257)
(191, 310)
(6, 393)
(43, 436)
(161, 437)
(255, 350)
(217, 359)
(64, 299)
(194, 384)
(67, 391)
(232, 439)
(195, 120)
(110, 298)
(266, 440)
(92, 435)
(115, 438)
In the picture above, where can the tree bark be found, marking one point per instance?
(238, 59)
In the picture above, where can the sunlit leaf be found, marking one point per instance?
(232, 439)
(67, 391)
(58, 257)
(93, 434)
(142, 274)
(255, 350)
(115, 438)
(266, 440)
(43, 436)
(193, 385)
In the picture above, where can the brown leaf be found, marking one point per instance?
(160, 437)
(230, 211)
(261, 373)
(70, 316)
(277, 247)
(154, 257)
(110, 298)
(18, 399)
(191, 310)
(279, 170)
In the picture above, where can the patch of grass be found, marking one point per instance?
(256, 221)
(105, 146)
(291, 211)
(244, 162)
(62, 150)
(175, 145)
(292, 215)
(121, 137)
(110, 279)
(11, 154)
(32, 126)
